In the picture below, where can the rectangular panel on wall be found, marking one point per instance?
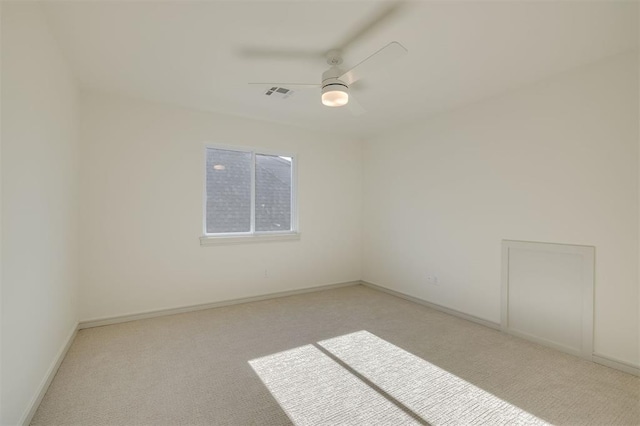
(547, 294)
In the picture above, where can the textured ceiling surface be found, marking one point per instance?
(196, 54)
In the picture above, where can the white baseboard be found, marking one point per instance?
(53, 368)
(616, 364)
(98, 322)
(435, 306)
(51, 372)
(48, 378)
(597, 358)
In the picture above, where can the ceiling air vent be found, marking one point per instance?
(279, 92)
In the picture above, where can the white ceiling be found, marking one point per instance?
(190, 53)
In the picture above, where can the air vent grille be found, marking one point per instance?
(279, 92)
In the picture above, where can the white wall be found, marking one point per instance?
(142, 183)
(553, 162)
(39, 206)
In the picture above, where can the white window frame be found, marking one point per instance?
(252, 235)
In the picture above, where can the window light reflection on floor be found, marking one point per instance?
(313, 389)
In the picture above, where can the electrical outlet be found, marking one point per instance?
(266, 273)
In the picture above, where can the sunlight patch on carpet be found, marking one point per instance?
(434, 394)
(359, 379)
(315, 390)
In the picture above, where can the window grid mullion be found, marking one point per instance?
(253, 192)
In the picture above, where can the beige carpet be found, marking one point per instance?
(193, 369)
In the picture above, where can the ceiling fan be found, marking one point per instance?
(336, 82)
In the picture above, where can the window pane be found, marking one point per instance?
(228, 191)
(273, 193)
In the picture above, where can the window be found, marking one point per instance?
(248, 194)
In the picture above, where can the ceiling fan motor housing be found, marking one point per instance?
(335, 92)
(331, 75)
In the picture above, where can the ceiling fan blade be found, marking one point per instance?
(297, 86)
(382, 57)
(384, 14)
(268, 53)
(355, 107)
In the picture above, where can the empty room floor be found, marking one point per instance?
(194, 368)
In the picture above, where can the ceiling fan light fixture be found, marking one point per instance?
(335, 95)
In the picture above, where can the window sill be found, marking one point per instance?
(209, 240)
